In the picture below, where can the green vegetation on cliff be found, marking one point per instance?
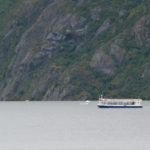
(60, 50)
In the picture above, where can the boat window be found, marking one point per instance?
(115, 103)
(125, 103)
(118, 102)
(133, 103)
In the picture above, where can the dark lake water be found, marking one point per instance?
(72, 126)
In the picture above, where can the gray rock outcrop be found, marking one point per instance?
(142, 32)
(103, 27)
(146, 72)
(59, 94)
(122, 12)
(94, 12)
(116, 50)
(103, 62)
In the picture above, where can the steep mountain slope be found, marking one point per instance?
(61, 50)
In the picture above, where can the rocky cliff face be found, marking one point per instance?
(60, 50)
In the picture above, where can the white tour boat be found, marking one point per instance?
(119, 103)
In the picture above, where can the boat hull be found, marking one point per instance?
(102, 106)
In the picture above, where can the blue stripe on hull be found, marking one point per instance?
(119, 106)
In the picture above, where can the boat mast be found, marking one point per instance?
(101, 97)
